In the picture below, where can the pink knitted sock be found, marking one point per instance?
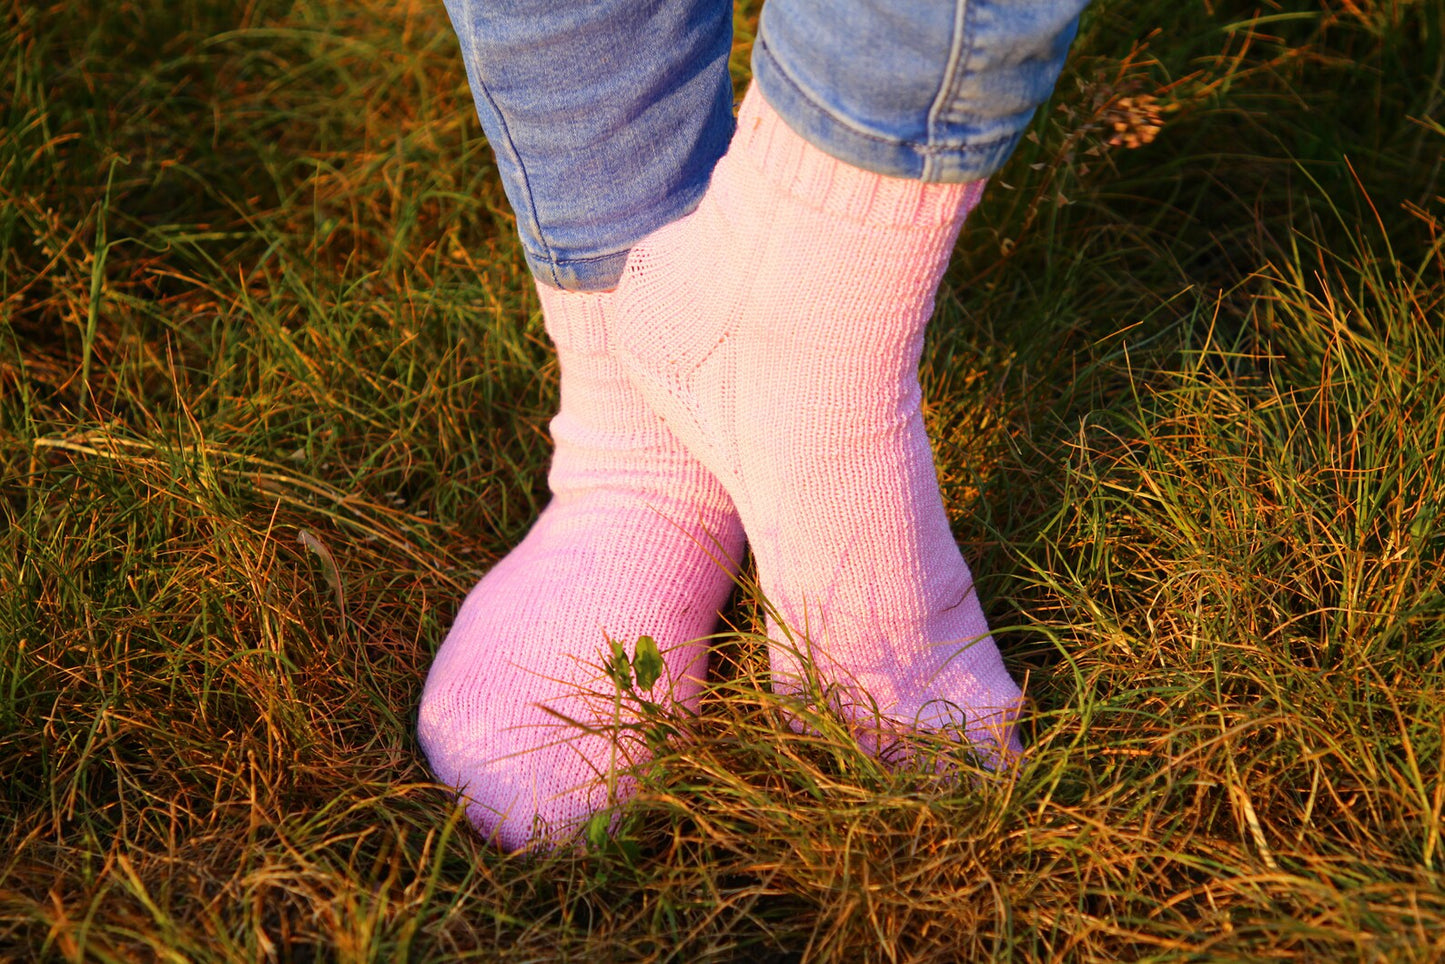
(639, 539)
(777, 330)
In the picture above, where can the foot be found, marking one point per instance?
(777, 330)
(639, 539)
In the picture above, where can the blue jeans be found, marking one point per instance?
(607, 116)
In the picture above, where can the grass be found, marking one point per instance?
(274, 390)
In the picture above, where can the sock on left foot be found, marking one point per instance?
(778, 330)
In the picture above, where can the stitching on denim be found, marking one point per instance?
(601, 257)
(923, 150)
(535, 222)
(948, 84)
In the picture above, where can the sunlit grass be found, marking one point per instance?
(274, 391)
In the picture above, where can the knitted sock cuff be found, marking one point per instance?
(822, 181)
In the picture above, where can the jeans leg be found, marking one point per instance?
(606, 117)
(936, 90)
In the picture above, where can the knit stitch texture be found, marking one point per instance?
(777, 330)
(638, 539)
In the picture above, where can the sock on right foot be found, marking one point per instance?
(777, 329)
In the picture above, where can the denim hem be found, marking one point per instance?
(583, 274)
(846, 141)
(602, 272)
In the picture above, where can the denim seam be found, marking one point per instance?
(951, 73)
(534, 222)
(549, 259)
(923, 150)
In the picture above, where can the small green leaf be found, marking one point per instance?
(647, 662)
(597, 829)
(618, 667)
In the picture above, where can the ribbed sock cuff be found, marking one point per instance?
(828, 184)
